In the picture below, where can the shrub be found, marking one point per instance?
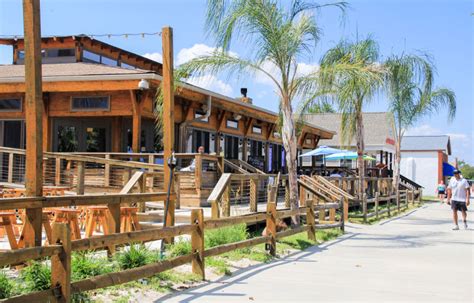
(225, 235)
(137, 255)
(179, 248)
(6, 286)
(85, 266)
(37, 276)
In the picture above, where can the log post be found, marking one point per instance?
(198, 172)
(420, 195)
(10, 167)
(389, 200)
(271, 226)
(287, 194)
(377, 205)
(80, 177)
(412, 196)
(107, 172)
(33, 118)
(226, 202)
(364, 206)
(57, 174)
(346, 210)
(168, 99)
(310, 220)
(253, 195)
(215, 211)
(177, 185)
(398, 200)
(61, 263)
(302, 196)
(197, 242)
(343, 213)
(151, 160)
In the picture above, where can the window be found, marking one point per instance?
(276, 135)
(90, 103)
(108, 61)
(257, 130)
(10, 105)
(90, 57)
(65, 52)
(232, 124)
(125, 65)
(199, 114)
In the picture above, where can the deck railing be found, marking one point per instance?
(234, 190)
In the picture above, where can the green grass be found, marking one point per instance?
(393, 213)
(429, 198)
(6, 286)
(220, 265)
(37, 276)
(135, 256)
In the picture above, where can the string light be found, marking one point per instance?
(92, 36)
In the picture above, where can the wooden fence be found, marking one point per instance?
(61, 248)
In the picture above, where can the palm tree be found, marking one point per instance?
(409, 87)
(276, 36)
(352, 92)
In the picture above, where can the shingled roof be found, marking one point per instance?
(16, 73)
(426, 143)
(378, 129)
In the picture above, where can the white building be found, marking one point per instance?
(423, 158)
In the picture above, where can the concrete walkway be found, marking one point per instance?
(413, 258)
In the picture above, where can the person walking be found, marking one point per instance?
(458, 197)
(441, 190)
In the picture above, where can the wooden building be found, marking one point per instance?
(100, 98)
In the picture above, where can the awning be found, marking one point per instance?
(322, 151)
(448, 169)
(347, 156)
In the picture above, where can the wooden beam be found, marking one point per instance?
(33, 118)
(136, 122)
(302, 138)
(168, 100)
(248, 126)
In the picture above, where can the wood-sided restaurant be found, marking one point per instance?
(100, 98)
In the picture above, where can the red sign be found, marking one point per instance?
(390, 141)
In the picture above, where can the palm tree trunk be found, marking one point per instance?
(360, 157)
(290, 144)
(396, 170)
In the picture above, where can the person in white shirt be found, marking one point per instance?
(458, 197)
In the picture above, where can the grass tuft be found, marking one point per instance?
(6, 286)
(37, 276)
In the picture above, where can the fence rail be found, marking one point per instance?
(61, 249)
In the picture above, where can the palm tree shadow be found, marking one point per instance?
(247, 272)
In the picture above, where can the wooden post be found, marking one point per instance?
(343, 213)
(10, 167)
(61, 263)
(57, 174)
(302, 196)
(253, 195)
(226, 202)
(107, 172)
(33, 118)
(389, 200)
(215, 211)
(310, 220)
(168, 98)
(412, 196)
(271, 226)
(364, 206)
(287, 194)
(398, 199)
(406, 197)
(197, 242)
(136, 121)
(151, 160)
(420, 195)
(377, 205)
(80, 177)
(198, 172)
(346, 210)
(177, 185)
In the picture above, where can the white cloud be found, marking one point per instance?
(212, 83)
(197, 50)
(154, 56)
(270, 68)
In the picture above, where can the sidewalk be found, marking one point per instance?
(413, 258)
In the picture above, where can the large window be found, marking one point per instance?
(89, 56)
(90, 103)
(10, 105)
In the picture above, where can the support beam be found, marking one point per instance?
(33, 117)
(136, 122)
(168, 99)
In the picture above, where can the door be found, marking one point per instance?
(233, 147)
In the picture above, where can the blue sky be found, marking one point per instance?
(444, 29)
